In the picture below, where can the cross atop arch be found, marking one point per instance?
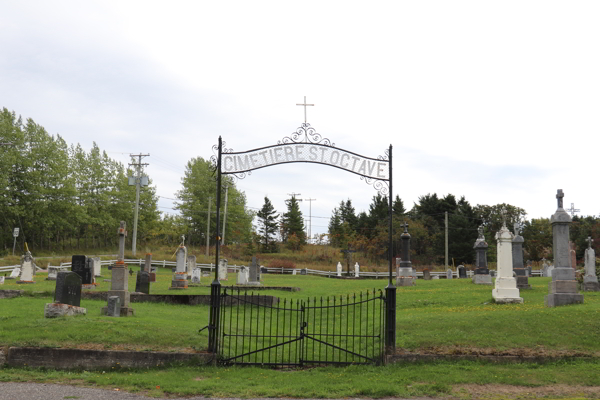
(305, 105)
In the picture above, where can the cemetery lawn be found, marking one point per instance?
(457, 380)
(437, 316)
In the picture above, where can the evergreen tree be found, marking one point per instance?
(267, 220)
(292, 221)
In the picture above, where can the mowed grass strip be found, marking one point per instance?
(431, 315)
(399, 380)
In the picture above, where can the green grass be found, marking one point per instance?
(438, 314)
(399, 380)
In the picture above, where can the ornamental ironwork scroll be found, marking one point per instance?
(307, 146)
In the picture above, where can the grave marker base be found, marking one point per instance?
(591, 287)
(20, 282)
(480, 279)
(55, 310)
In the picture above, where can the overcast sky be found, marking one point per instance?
(497, 101)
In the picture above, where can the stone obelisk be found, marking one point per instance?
(120, 277)
(482, 273)
(590, 280)
(506, 290)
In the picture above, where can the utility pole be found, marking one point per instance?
(310, 217)
(208, 227)
(224, 216)
(446, 238)
(137, 181)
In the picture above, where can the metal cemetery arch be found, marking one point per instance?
(304, 146)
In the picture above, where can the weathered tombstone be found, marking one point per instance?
(242, 276)
(96, 266)
(222, 269)
(191, 263)
(435, 277)
(339, 269)
(263, 270)
(506, 290)
(142, 282)
(449, 274)
(550, 269)
(196, 275)
(15, 273)
(119, 285)
(68, 289)
(405, 275)
(303, 271)
(1, 280)
(148, 263)
(52, 273)
(113, 308)
(563, 288)
(254, 273)
(462, 272)
(80, 266)
(67, 296)
(356, 270)
(590, 280)
(180, 276)
(517, 256)
(294, 271)
(180, 260)
(482, 273)
(27, 269)
(544, 268)
(426, 275)
(573, 255)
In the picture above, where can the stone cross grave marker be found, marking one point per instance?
(348, 253)
(142, 282)
(80, 267)
(68, 288)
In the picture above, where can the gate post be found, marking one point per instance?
(215, 286)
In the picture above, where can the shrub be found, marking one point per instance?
(279, 263)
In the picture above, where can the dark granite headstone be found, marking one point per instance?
(426, 275)
(80, 266)
(142, 282)
(263, 270)
(68, 288)
(303, 271)
(462, 272)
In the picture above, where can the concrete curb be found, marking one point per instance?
(500, 359)
(95, 359)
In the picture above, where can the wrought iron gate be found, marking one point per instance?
(331, 330)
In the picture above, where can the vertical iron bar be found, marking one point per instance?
(327, 330)
(347, 322)
(264, 331)
(353, 325)
(390, 290)
(230, 323)
(314, 323)
(215, 289)
(333, 318)
(277, 330)
(271, 330)
(360, 324)
(290, 336)
(374, 293)
(367, 326)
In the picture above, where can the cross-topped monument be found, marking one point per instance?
(559, 197)
(589, 240)
(503, 212)
(305, 105)
(572, 210)
(122, 233)
(405, 226)
(348, 252)
(517, 228)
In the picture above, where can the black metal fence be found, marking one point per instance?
(331, 330)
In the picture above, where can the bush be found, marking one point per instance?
(279, 263)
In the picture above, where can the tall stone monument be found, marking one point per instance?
(404, 271)
(27, 269)
(590, 280)
(120, 277)
(191, 264)
(517, 257)
(180, 277)
(563, 288)
(338, 269)
(482, 273)
(506, 290)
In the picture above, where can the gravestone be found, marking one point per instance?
(356, 270)
(590, 280)
(506, 290)
(27, 269)
(549, 271)
(119, 284)
(544, 267)
(242, 276)
(196, 275)
(113, 309)
(80, 266)
(492, 273)
(339, 269)
(563, 288)
(14, 274)
(482, 273)
(573, 255)
(180, 276)
(303, 271)
(435, 277)
(142, 282)
(68, 289)
(148, 263)
(191, 264)
(52, 273)
(405, 275)
(462, 272)
(517, 257)
(1, 280)
(96, 266)
(263, 270)
(222, 269)
(254, 273)
(294, 271)
(449, 274)
(426, 275)
(180, 260)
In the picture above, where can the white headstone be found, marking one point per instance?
(449, 274)
(97, 266)
(15, 272)
(180, 260)
(26, 271)
(549, 270)
(222, 269)
(506, 290)
(339, 269)
(356, 270)
(52, 272)
(196, 274)
(1, 280)
(294, 271)
(243, 276)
